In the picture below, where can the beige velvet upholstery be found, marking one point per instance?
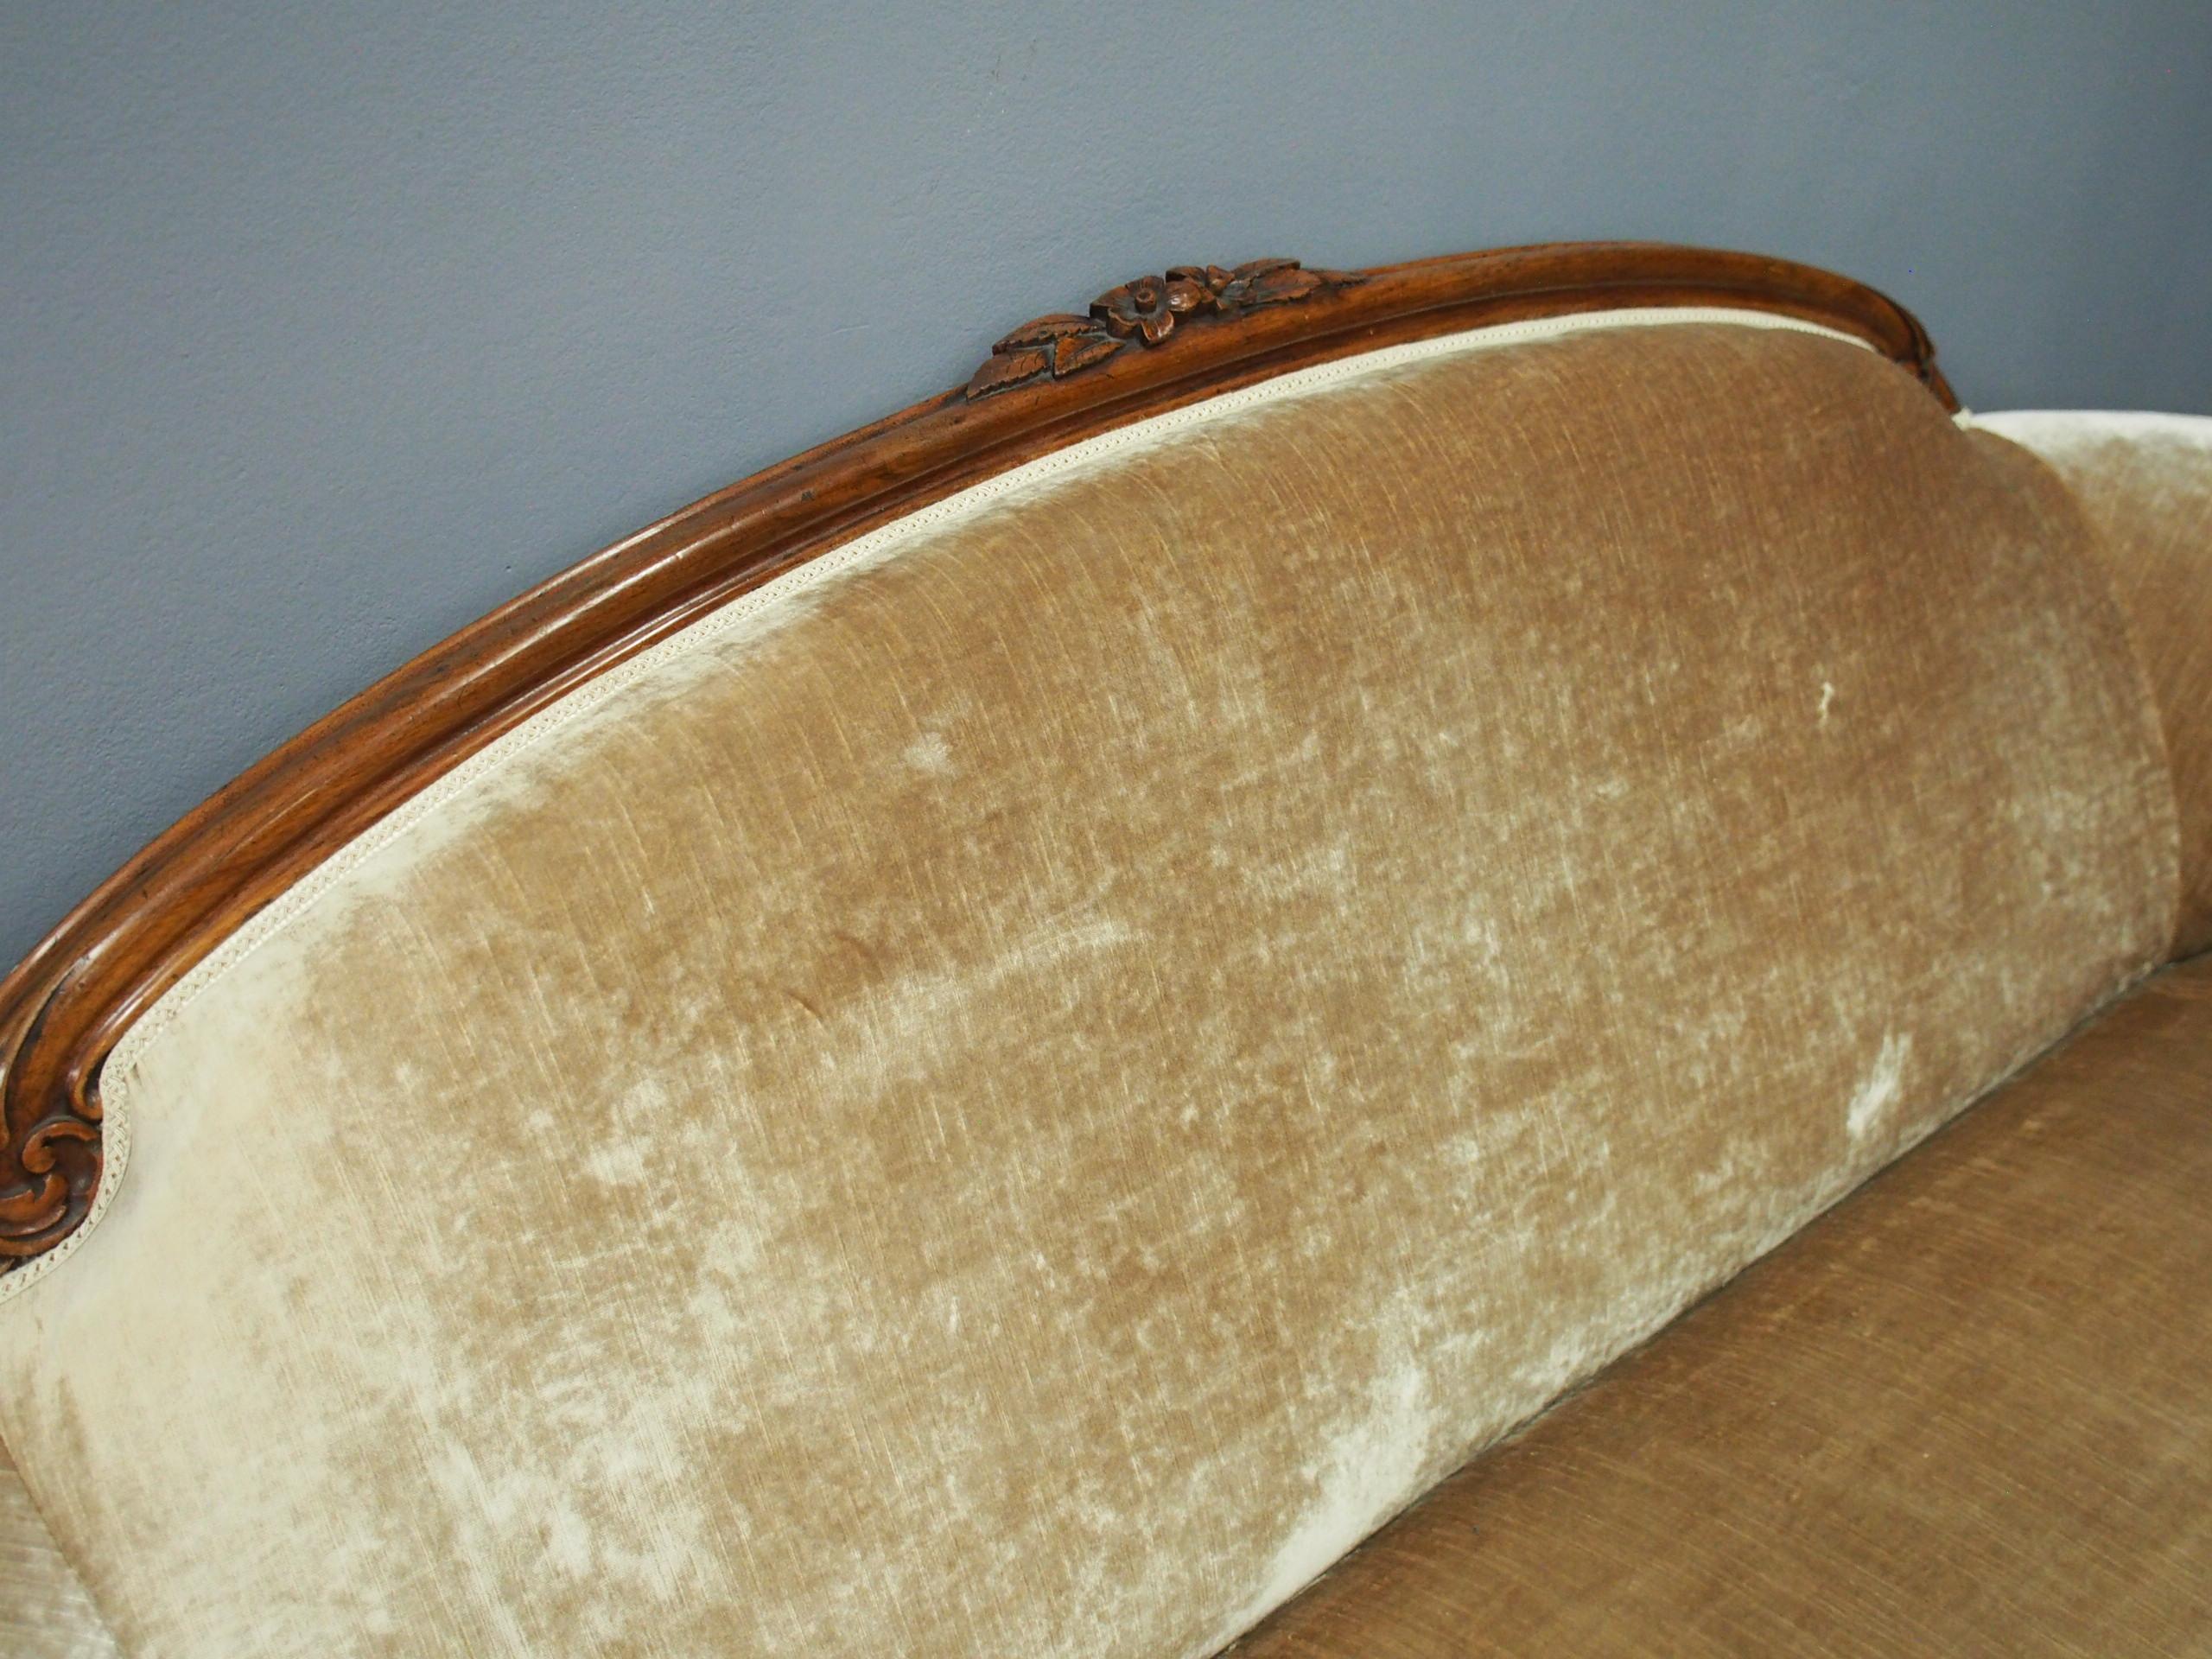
(2144, 482)
(1019, 1093)
(1966, 1414)
(44, 1612)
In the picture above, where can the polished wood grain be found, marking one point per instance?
(1197, 331)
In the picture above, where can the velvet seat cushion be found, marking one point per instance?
(1969, 1411)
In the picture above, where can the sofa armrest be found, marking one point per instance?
(2144, 482)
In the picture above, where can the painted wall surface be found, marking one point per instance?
(325, 327)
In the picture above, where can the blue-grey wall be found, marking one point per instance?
(325, 327)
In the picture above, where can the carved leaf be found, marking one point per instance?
(1057, 346)
(1040, 330)
(1003, 370)
(1074, 352)
(1280, 287)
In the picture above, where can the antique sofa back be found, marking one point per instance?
(1020, 1086)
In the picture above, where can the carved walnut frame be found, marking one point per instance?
(1148, 346)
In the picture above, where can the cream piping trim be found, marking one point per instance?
(118, 1072)
(2056, 427)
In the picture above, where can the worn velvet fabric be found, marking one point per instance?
(44, 1612)
(1968, 1412)
(1019, 1094)
(2145, 482)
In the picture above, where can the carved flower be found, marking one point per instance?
(1149, 306)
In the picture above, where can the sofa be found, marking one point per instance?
(1495, 956)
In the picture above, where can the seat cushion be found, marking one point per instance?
(1969, 1411)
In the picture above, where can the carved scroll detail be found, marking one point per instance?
(48, 1177)
(1144, 310)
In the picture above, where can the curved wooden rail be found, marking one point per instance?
(1145, 346)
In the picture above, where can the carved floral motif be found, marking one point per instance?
(1145, 310)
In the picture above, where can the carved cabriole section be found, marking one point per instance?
(1145, 311)
(63, 1009)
